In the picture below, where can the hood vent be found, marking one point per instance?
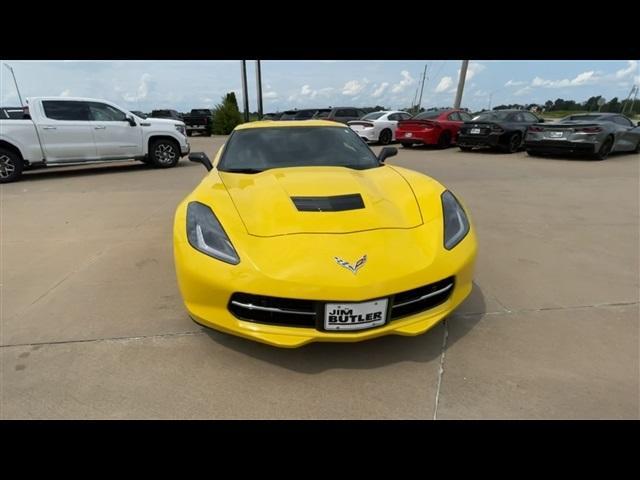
(338, 203)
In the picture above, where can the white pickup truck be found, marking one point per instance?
(70, 131)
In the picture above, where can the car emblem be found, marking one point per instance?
(353, 268)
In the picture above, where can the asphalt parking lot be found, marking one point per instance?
(92, 324)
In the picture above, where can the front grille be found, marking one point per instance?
(309, 313)
(422, 298)
(273, 310)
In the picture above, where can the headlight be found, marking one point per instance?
(456, 223)
(206, 235)
(181, 129)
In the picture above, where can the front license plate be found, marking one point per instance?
(409, 134)
(355, 316)
(475, 131)
(556, 134)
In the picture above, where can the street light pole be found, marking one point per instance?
(15, 83)
(259, 87)
(461, 79)
(245, 96)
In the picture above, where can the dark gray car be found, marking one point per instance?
(591, 134)
(340, 114)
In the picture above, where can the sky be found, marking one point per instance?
(183, 85)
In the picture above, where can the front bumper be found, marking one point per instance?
(207, 286)
(185, 149)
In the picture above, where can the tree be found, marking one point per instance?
(226, 115)
(612, 106)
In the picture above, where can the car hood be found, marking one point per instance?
(269, 202)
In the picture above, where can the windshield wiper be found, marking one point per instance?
(243, 170)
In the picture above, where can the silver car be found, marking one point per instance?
(592, 134)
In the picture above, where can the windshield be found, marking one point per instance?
(257, 149)
(492, 116)
(373, 116)
(427, 115)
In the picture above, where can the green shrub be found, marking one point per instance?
(226, 115)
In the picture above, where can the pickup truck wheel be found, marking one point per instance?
(10, 166)
(164, 153)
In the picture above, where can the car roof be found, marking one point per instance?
(598, 114)
(286, 123)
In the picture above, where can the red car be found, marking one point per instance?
(433, 127)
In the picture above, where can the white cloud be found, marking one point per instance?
(445, 84)
(65, 93)
(270, 95)
(523, 91)
(480, 93)
(630, 70)
(306, 90)
(404, 83)
(512, 83)
(354, 87)
(142, 92)
(472, 69)
(581, 79)
(380, 90)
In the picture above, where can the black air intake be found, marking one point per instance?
(338, 203)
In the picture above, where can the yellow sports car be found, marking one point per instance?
(299, 233)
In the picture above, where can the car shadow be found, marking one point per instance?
(86, 170)
(319, 357)
(582, 158)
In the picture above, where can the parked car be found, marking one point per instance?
(432, 127)
(139, 114)
(66, 131)
(300, 233)
(340, 114)
(199, 120)
(166, 114)
(379, 126)
(593, 134)
(305, 114)
(272, 116)
(13, 112)
(502, 129)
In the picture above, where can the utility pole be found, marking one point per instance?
(461, 79)
(490, 96)
(259, 87)
(15, 83)
(424, 76)
(245, 96)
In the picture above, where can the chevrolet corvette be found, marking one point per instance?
(300, 233)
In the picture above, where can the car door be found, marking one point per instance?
(453, 123)
(115, 137)
(66, 132)
(626, 138)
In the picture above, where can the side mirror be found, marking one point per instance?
(131, 120)
(201, 157)
(387, 152)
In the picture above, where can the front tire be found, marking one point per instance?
(513, 144)
(444, 141)
(605, 149)
(385, 137)
(464, 149)
(164, 153)
(11, 166)
(407, 145)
